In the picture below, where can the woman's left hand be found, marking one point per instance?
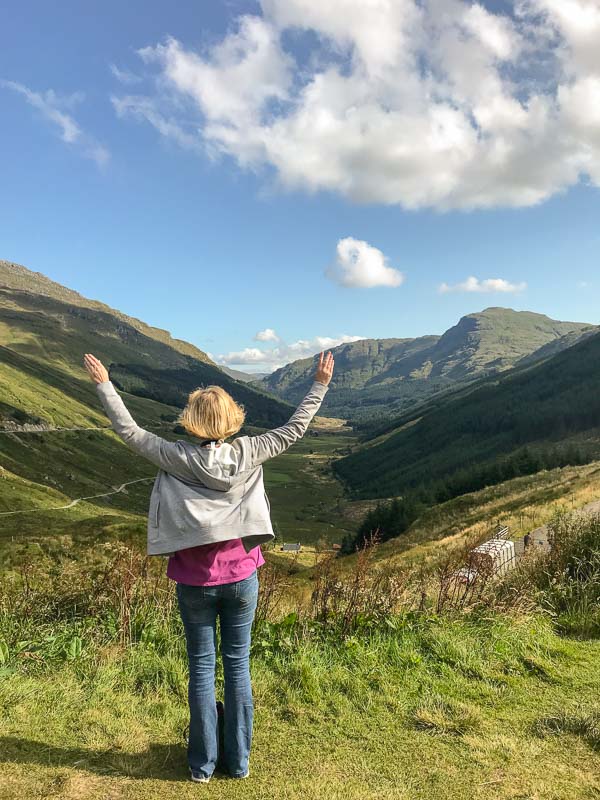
(97, 371)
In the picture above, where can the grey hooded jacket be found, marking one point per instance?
(208, 494)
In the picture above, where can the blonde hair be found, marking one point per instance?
(212, 413)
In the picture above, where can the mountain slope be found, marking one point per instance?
(386, 376)
(558, 345)
(528, 413)
(20, 279)
(46, 328)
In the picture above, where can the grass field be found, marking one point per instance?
(488, 709)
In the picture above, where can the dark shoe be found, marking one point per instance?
(198, 777)
(242, 776)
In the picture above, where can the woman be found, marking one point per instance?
(209, 513)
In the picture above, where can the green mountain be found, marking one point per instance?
(532, 417)
(45, 329)
(383, 377)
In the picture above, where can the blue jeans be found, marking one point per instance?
(235, 603)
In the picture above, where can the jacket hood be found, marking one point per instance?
(217, 466)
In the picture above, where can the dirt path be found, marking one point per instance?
(115, 490)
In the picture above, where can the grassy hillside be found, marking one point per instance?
(42, 470)
(44, 331)
(46, 328)
(382, 377)
(21, 281)
(468, 438)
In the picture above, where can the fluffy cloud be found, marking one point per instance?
(473, 284)
(267, 360)
(268, 335)
(359, 264)
(52, 108)
(422, 103)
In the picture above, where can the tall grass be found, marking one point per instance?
(65, 609)
(566, 580)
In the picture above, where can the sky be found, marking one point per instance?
(270, 179)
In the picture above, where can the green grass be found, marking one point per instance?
(486, 705)
(489, 708)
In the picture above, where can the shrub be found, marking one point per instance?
(565, 581)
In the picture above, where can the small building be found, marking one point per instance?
(336, 546)
(494, 557)
(291, 547)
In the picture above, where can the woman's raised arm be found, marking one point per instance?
(272, 443)
(170, 456)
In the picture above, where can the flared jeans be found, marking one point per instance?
(235, 605)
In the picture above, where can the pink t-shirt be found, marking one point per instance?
(212, 564)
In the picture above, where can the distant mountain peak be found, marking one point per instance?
(375, 376)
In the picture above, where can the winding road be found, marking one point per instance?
(88, 428)
(588, 508)
(116, 490)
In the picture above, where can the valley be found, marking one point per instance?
(497, 382)
(93, 675)
(37, 498)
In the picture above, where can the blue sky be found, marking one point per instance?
(173, 186)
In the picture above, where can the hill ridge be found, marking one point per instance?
(46, 327)
(383, 377)
(33, 282)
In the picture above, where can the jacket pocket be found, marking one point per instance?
(154, 509)
(157, 504)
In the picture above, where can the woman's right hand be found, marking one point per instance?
(324, 368)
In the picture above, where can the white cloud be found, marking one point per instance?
(473, 284)
(268, 335)
(269, 359)
(422, 103)
(51, 107)
(359, 264)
